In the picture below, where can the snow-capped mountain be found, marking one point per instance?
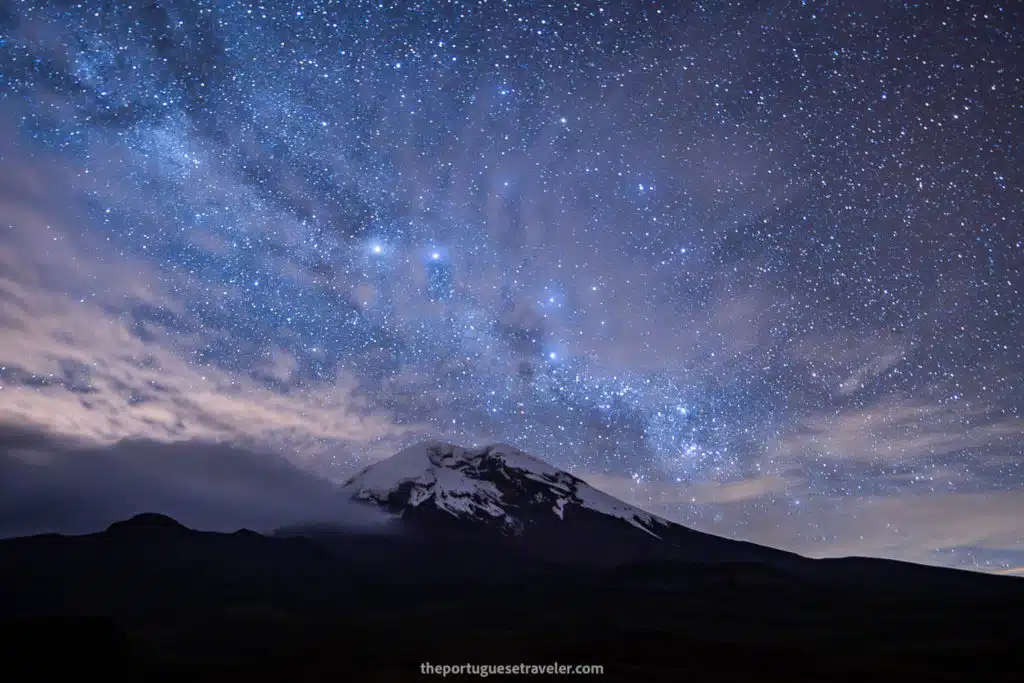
(496, 484)
(500, 491)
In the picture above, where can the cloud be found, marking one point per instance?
(53, 484)
(872, 368)
(895, 430)
(1016, 571)
(651, 494)
(73, 369)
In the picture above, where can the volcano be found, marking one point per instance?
(505, 496)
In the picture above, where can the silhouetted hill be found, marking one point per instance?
(151, 562)
(146, 522)
(150, 596)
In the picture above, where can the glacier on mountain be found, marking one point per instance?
(481, 483)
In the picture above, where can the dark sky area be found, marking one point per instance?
(753, 266)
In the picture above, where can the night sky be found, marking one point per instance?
(753, 266)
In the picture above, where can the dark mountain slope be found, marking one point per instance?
(153, 563)
(150, 596)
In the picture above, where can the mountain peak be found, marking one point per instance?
(147, 521)
(496, 484)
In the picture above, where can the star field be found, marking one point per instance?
(755, 267)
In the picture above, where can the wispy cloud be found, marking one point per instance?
(894, 430)
(650, 494)
(872, 368)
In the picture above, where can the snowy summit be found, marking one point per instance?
(497, 484)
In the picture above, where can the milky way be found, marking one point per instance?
(754, 266)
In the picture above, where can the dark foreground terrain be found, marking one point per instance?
(156, 598)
